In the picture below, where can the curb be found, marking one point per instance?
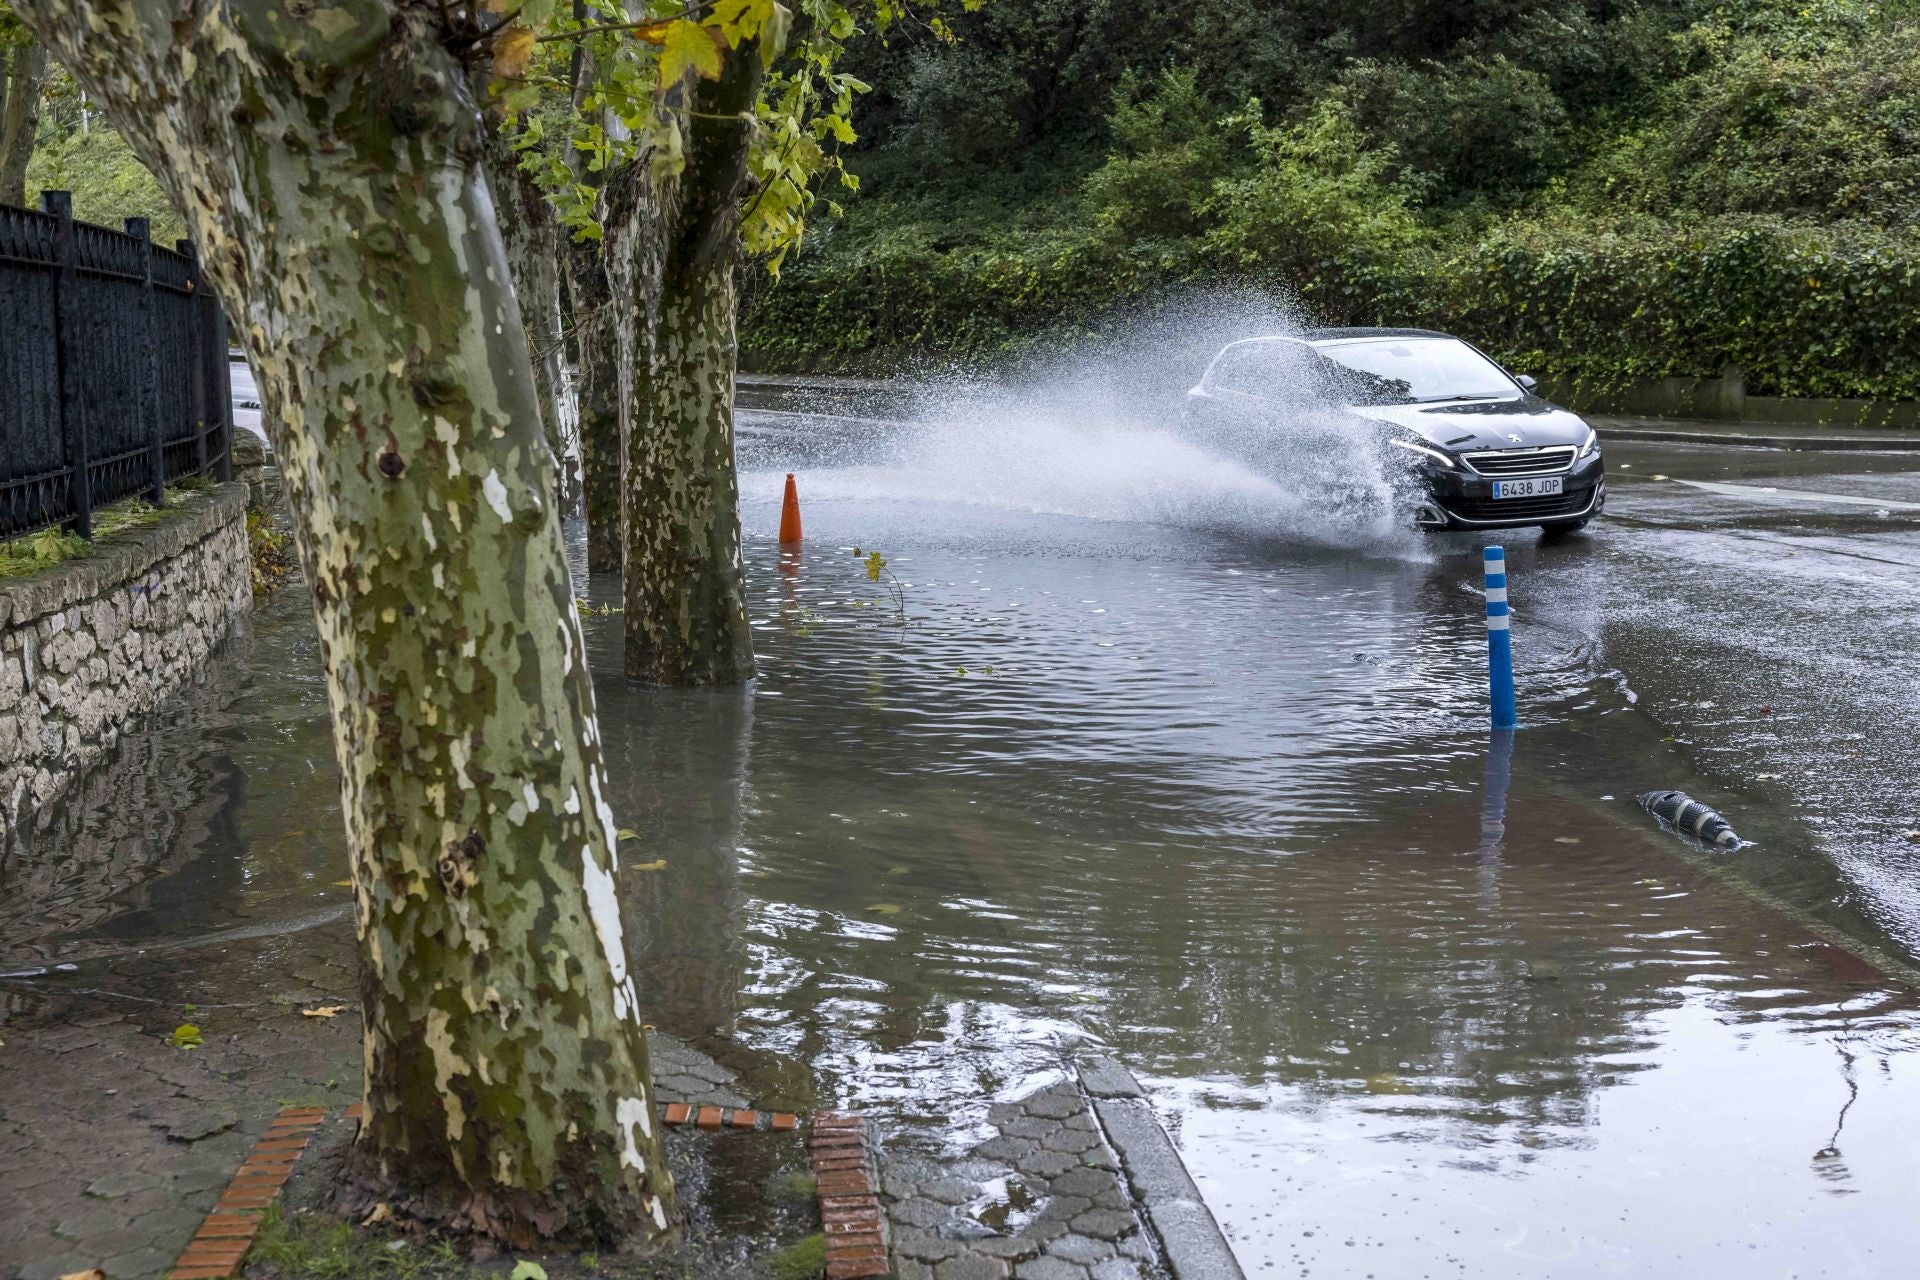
(1797, 444)
(1190, 1238)
(711, 1117)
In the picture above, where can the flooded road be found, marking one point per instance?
(1146, 754)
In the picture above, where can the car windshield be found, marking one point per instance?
(1429, 368)
(1286, 371)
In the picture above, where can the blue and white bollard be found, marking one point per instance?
(1499, 640)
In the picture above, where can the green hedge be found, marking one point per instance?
(1802, 310)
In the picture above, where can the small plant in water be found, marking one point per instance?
(877, 571)
(271, 552)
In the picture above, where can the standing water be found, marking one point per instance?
(1150, 753)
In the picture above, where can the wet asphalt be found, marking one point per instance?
(1147, 756)
(1764, 607)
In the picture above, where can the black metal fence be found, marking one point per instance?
(113, 368)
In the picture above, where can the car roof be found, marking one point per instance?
(1320, 337)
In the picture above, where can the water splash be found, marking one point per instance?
(1104, 431)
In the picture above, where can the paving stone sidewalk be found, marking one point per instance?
(1049, 1197)
(114, 1144)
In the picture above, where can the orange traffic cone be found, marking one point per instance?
(790, 513)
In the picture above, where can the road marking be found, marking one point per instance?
(1772, 492)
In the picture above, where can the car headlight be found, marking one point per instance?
(1592, 445)
(1414, 446)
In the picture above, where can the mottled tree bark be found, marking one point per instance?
(329, 164)
(594, 342)
(534, 246)
(26, 75)
(597, 370)
(685, 597)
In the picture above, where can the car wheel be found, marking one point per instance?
(1555, 532)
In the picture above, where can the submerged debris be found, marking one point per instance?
(1689, 817)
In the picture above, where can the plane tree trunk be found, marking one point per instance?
(534, 249)
(26, 75)
(597, 370)
(685, 588)
(331, 173)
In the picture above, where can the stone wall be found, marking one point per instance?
(90, 644)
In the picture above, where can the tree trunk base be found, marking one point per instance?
(480, 1222)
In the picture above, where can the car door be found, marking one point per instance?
(1258, 394)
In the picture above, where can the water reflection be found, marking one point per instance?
(1225, 806)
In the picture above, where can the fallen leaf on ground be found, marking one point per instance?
(524, 1270)
(94, 1273)
(323, 1011)
(658, 864)
(343, 884)
(627, 833)
(185, 1036)
(885, 908)
(1566, 839)
(379, 1215)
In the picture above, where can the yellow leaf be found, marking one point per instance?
(658, 864)
(689, 47)
(343, 884)
(512, 51)
(323, 1011)
(628, 833)
(94, 1273)
(885, 908)
(379, 1215)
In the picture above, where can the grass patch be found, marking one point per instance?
(797, 1187)
(321, 1247)
(804, 1259)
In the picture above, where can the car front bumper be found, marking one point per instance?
(1460, 498)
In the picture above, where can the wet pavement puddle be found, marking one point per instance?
(1219, 804)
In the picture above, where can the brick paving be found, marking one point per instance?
(217, 1248)
(850, 1216)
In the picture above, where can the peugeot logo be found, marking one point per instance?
(1516, 439)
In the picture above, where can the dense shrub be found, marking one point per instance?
(1597, 192)
(1811, 131)
(1803, 310)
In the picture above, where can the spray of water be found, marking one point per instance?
(1103, 429)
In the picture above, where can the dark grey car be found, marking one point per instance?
(1477, 448)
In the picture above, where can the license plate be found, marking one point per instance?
(1543, 487)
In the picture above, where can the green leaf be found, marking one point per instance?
(185, 1036)
(524, 1270)
(774, 33)
(688, 46)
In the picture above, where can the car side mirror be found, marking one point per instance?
(1526, 383)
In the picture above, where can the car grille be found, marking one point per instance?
(1547, 506)
(1547, 461)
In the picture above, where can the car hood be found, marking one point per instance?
(1524, 423)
